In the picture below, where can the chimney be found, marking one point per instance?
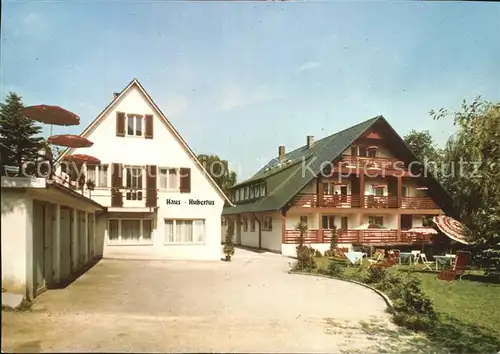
(310, 141)
(115, 95)
(281, 152)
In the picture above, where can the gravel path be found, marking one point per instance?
(248, 305)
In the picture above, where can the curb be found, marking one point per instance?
(378, 292)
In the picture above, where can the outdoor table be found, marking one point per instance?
(443, 260)
(405, 256)
(354, 257)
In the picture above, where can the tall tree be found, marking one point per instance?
(18, 135)
(472, 174)
(422, 144)
(219, 171)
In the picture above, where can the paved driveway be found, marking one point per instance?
(248, 305)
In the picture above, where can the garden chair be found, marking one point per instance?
(394, 256)
(416, 256)
(377, 259)
(460, 267)
(425, 262)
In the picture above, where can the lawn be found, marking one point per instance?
(469, 310)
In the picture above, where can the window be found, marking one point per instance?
(113, 229)
(134, 183)
(102, 176)
(252, 192)
(130, 230)
(241, 194)
(344, 223)
(354, 150)
(372, 152)
(404, 191)
(185, 231)
(252, 224)
(134, 125)
(362, 151)
(245, 223)
(267, 224)
(262, 190)
(303, 220)
(169, 179)
(91, 173)
(328, 221)
(378, 220)
(245, 193)
(378, 191)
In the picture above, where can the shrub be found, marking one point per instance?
(329, 253)
(334, 270)
(305, 259)
(375, 275)
(317, 253)
(228, 244)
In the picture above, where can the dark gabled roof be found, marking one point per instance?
(284, 181)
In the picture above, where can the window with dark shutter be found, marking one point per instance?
(151, 188)
(116, 184)
(149, 126)
(120, 124)
(185, 177)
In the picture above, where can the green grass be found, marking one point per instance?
(468, 310)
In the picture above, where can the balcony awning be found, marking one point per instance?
(451, 228)
(373, 147)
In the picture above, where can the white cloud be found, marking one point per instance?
(234, 96)
(311, 65)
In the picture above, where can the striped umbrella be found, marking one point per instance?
(451, 228)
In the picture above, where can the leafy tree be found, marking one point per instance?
(18, 140)
(423, 146)
(472, 174)
(219, 171)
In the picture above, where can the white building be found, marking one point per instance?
(48, 235)
(161, 203)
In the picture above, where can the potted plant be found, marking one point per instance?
(90, 186)
(228, 244)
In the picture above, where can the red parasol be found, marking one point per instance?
(451, 228)
(69, 140)
(53, 115)
(82, 158)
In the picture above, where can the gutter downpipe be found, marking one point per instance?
(260, 230)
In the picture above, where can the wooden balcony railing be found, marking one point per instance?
(378, 162)
(364, 237)
(418, 203)
(370, 201)
(330, 201)
(373, 201)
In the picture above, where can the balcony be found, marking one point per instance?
(328, 201)
(418, 203)
(374, 201)
(363, 237)
(370, 201)
(128, 198)
(375, 162)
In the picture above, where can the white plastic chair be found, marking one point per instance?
(427, 264)
(415, 255)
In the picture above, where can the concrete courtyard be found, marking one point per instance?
(248, 305)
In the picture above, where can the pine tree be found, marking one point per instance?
(18, 140)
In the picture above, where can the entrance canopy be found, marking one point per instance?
(451, 228)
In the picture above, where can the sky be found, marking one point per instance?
(238, 79)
